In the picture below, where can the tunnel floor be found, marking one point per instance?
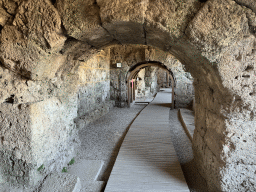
(147, 160)
(101, 141)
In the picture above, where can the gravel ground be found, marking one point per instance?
(183, 148)
(102, 139)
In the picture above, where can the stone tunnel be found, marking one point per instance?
(59, 63)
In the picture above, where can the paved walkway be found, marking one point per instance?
(147, 160)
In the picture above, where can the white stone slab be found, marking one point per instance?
(59, 182)
(86, 170)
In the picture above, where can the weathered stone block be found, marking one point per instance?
(247, 3)
(240, 177)
(198, 150)
(206, 162)
(200, 119)
(125, 26)
(212, 168)
(216, 26)
(207, 97)
(84, 119)
(11, 5)
(42, 23)
(214, 141)
(82, 21)
(37, 138)
(165, 21)
(61, 182)
(4, 17)
(28, 46)
(27, 58)
(239, 142)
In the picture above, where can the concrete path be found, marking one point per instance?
(147, 160)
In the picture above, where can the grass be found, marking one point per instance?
(40, 168)
(71, 162)
(64, 170)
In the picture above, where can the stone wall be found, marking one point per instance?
(208, 138)
(34, 135)
(184, 89)
(40, 119)
(183, 85)
(43, 44)
(140, 84)
(94, 84)
(223, 139)
(151, 79)
(146, 82)
(162, 78)
(93, 89)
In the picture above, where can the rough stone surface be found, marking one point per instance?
(130, 29)
(165, 21)
(47, 105)
(211, 33)
(81, 20)
(45, 47)
(29, 44)
(4, 16)
(61, 182)
(130, 56)
(251, 4)
(184, 89)
(146, 83)
(88, 172)
(36, 134)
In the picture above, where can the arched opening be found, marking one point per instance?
(41, 51)
(135, 70)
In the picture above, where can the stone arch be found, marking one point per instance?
(141, 65)
(214, 40)
(136, 68)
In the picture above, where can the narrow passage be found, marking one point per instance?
(147, 160)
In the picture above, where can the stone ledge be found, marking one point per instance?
(61, 182)
(186, 118)
(90, 117)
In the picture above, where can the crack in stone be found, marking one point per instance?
(145, 34)
(252, 28)
(144, 23)
(241, 4)
(96, 4)
(9, 12)
(192, 18)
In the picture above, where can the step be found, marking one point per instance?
(96, 186)
(59, 182)
(86, 170)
